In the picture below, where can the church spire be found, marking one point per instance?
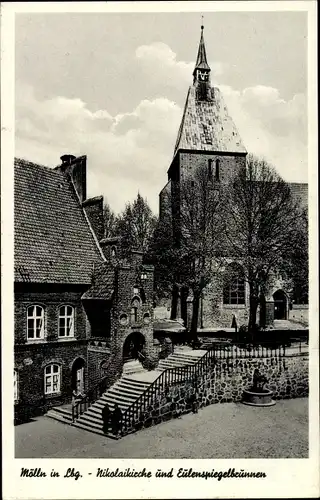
(202, 69)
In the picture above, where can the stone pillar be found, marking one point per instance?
(269, 311)
(189, 311)
(178, 315)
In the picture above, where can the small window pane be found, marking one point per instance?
(55, 368)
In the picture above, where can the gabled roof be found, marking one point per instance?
(206, 125)
(103, 282)
(53, 242)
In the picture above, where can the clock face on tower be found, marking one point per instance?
(203, 76)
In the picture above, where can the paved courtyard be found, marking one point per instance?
(218, 431)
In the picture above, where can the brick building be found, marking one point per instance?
(80, 312)
(208, 138)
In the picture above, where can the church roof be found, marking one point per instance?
(53, 242)
(207, 126)
(202, 62)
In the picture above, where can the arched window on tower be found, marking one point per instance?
(135, 304)
(217, 173)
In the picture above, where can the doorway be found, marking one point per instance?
(77, 376)
(133, 347)
(280, 305)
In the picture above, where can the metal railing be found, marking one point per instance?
(167, 378)
(248, 351)
(91, 396)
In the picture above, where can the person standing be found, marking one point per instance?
(106, 416)
(116, 420)
(234, 323)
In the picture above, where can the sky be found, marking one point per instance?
(113, 87)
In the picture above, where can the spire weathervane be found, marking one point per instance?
(202, 69)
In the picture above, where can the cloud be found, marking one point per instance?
(272, 127)
(132, 151)
(127, 153)
(160, 64)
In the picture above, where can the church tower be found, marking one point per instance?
(207, 135)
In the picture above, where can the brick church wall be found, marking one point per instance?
(230, 165)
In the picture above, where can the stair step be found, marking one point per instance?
(189, 359)
(58, 416)
(135, 383)
(127, 389)
(174, 363)
(127, 395)
(93, 430)
(62, 411)
(101, 404)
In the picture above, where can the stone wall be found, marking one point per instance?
(225, 382)
(299, 313)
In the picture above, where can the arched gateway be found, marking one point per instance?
(133, 346)
(280, 305)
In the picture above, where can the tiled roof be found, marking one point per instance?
(300, 192)
(207, 126)
(53, 241)
(103, 282)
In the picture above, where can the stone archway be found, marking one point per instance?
(77, 375)
(133, 346)
(280, 305)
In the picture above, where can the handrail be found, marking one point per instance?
(168, 376)
(92, 395)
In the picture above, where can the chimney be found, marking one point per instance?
(93, 208)
(76, 169)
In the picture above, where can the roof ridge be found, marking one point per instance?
(182, 121)
(29, 163)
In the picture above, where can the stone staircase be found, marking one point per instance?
(134, 381)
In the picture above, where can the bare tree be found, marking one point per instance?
(110, 221)
(201, 234)
(261, 226)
